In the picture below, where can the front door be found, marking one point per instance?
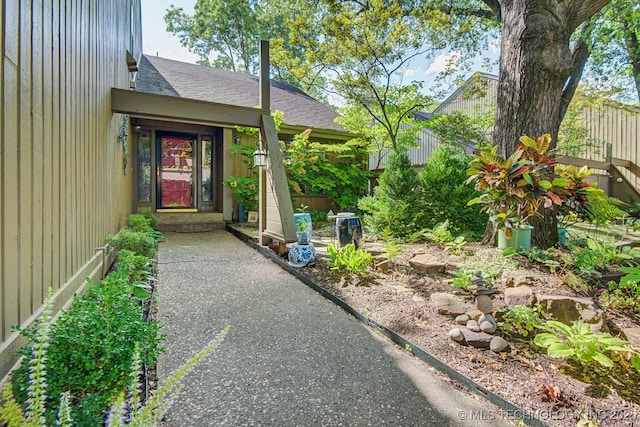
(175, 155)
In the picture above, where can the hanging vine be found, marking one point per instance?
(123, 138)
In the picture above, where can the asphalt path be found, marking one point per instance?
(291, 358)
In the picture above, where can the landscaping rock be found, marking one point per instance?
(487, 318)
(426, 264)
(462, 319)
(473, 313)
(515, 278)
(477, 339)
(498, 344)
(472, 325)
(569, 310)
(484, 303)
(384, 265)
(519, 295)
(487, 327)
(448, 304)
(456, 335)
(633, 336)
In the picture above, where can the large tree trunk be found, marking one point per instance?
(535, 63)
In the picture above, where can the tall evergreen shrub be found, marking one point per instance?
(444, 195)
(394, 204)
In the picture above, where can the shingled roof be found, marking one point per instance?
(168, 77)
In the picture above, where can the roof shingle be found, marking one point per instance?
(168, 77)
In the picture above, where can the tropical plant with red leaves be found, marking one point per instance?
(515, 189)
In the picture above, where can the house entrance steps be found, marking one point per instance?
(190, 222)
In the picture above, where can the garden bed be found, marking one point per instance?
(400, 299)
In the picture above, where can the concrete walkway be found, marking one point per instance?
(291, 358)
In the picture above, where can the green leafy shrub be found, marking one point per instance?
(139, 415)
(580, 344)
(440, 233)
(520, 319)
(139, 270)
(445, 195)
(317, 216)
(336, 170)
(349, 258)
(139, 222)
(462, 279)
(626, 294)
(140, 243)
(90, 350)
(153, 220)
(394, 204)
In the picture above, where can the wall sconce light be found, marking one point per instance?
(259, 156)
(619, 180)
(236, 140)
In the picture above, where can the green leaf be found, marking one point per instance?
(635, 362)
(509, 251)
(474, 201)
(140, 293)
(546, 339)
(603, 360)
(609, 341)
(566, 330)
(528, 178)
(561, 182)
(560, 349)
(543, 183)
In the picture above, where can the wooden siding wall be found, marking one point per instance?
(619, 127)
(62, 188)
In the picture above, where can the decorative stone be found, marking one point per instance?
(301, 255)
(426, 264)
(384, 265)
(472, 325)
(487, 318)
(633, 336)
(487, 327)
(498, 344)
(456, 335)
(448, 304)
(477, 339)
(515, 278)
(462, 319)
(520, 295)
(484, 303)
(473, 313)
(569, 310)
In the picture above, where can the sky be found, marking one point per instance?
(157, 41)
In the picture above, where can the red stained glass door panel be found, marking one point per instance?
(176, 172)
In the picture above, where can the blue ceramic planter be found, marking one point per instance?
(301, 255)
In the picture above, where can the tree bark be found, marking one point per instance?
(580, 56)
(633, 47)
(535, 63)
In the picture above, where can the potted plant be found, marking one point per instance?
(514, 190)
(245, 193)
(304, 227)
